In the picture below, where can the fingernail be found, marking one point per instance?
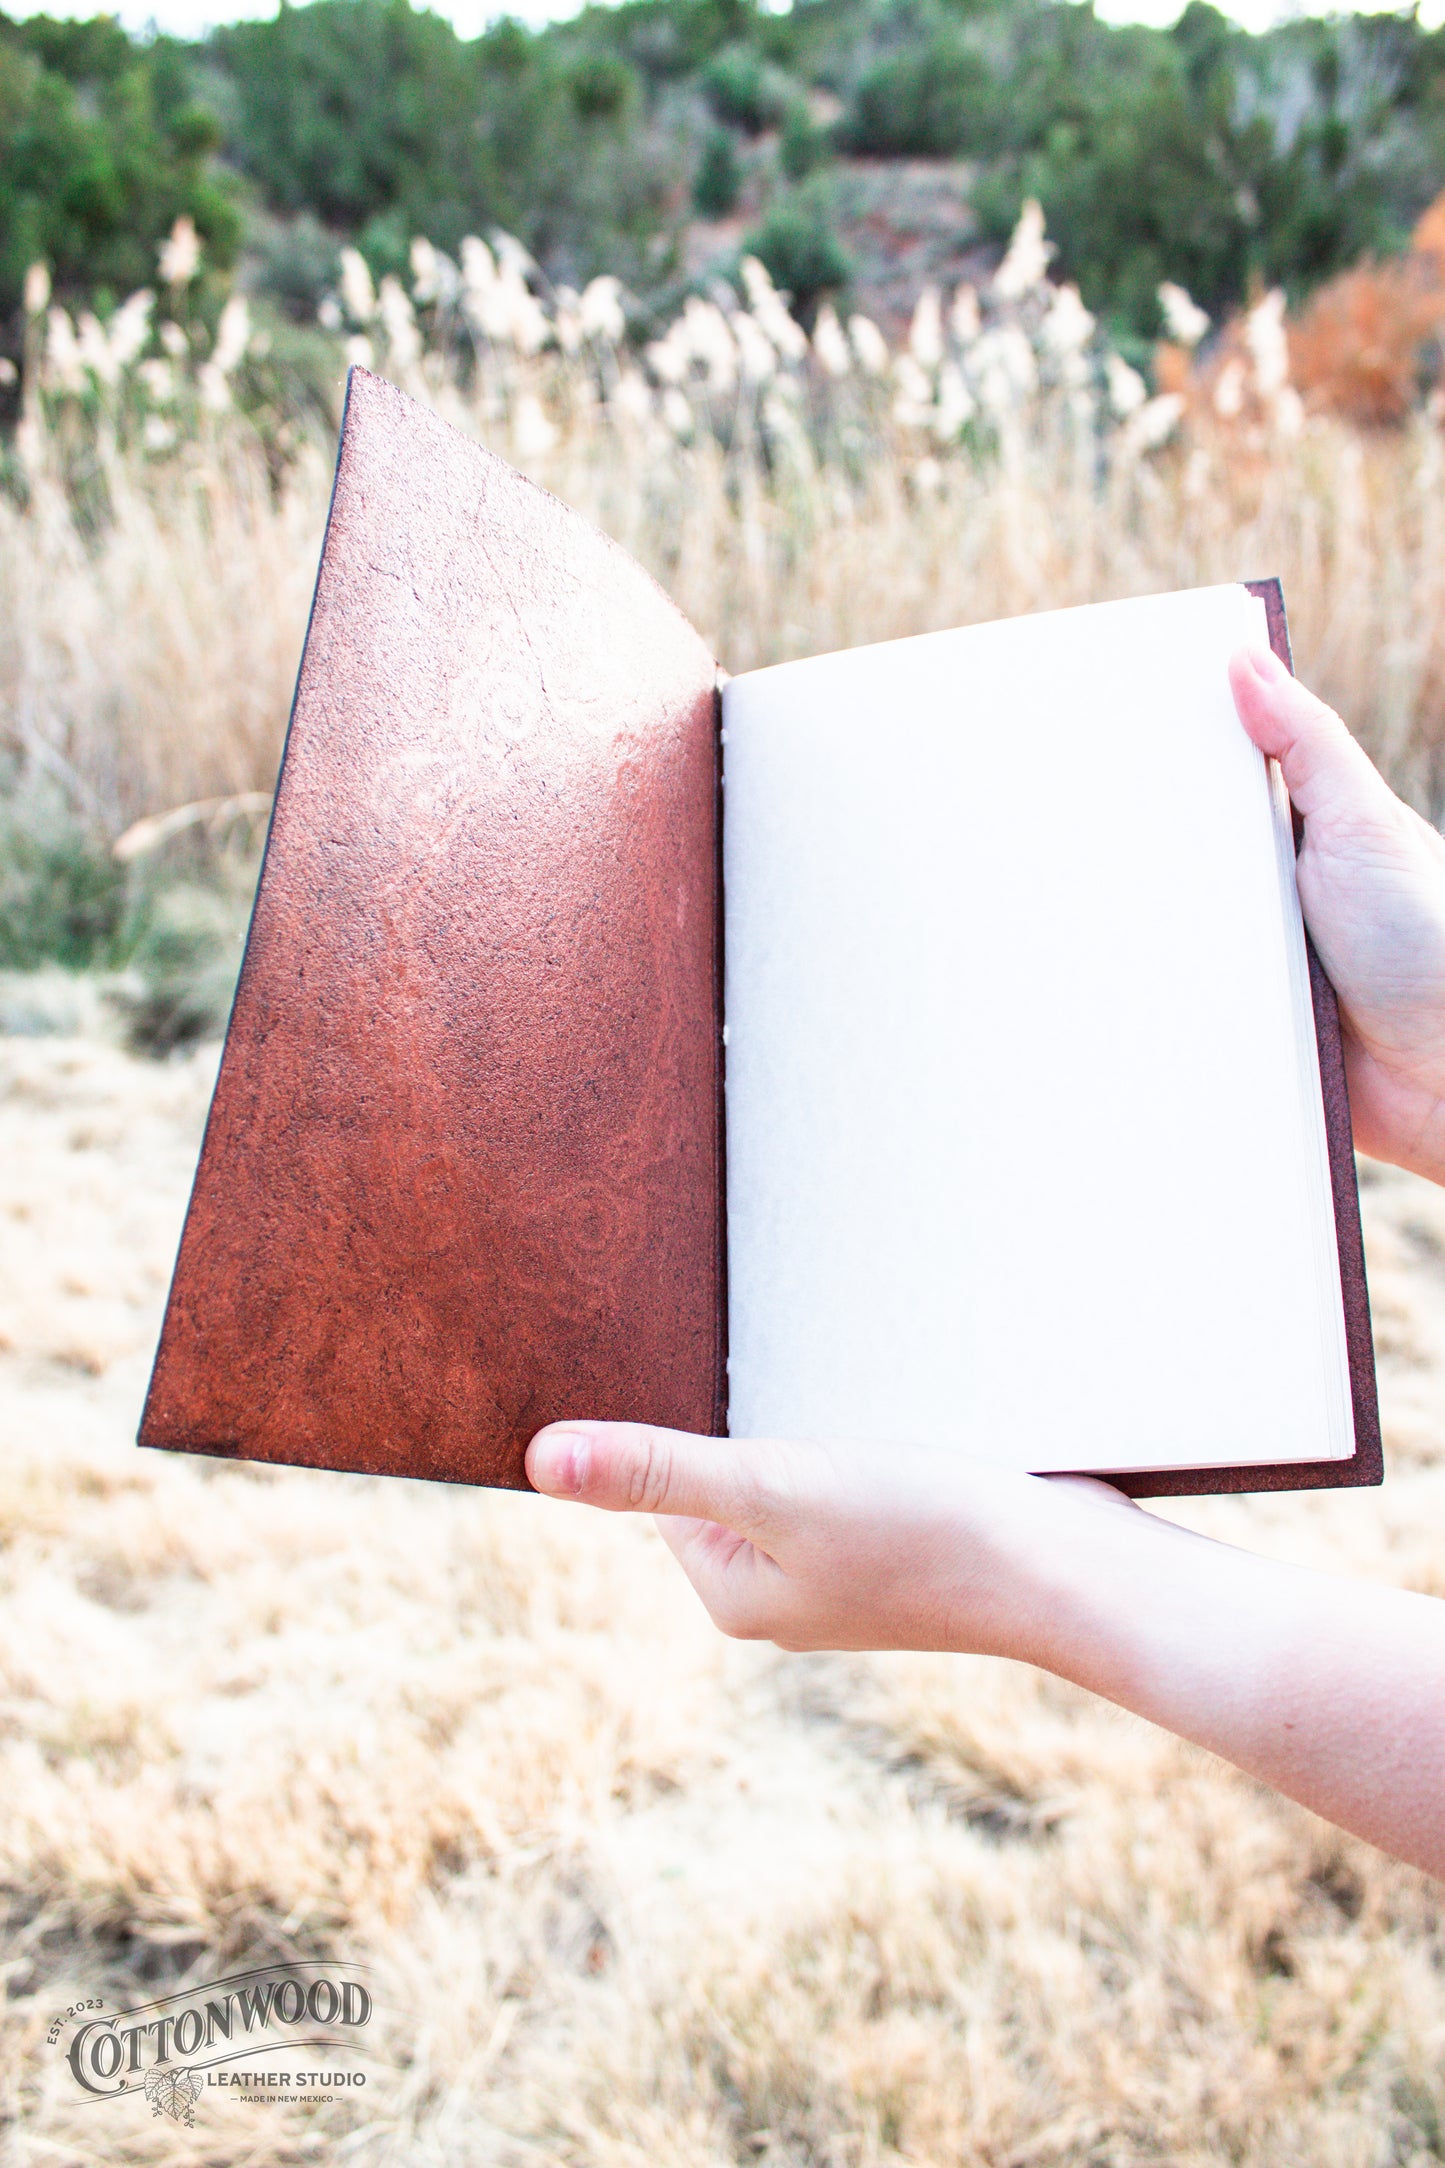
(557, 1461)
(1267, 666)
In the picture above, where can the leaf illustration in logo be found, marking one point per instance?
(174, 2092)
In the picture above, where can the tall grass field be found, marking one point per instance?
(630, 1896)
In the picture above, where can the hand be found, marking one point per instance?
(1330, 1689)
(1372, 886)
(835, 1546)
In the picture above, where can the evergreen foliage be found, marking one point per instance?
(803, 145)
(745, 89)
(62, 895)
(719, 176)
(1200, 153)
(103, 145)
(380, 121)
(800, 248)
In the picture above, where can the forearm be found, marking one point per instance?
(1329, 1689)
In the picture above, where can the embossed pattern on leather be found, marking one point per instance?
(462, 1173)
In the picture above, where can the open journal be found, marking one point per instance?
(915, 1043)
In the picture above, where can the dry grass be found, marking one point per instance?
(156, 662)
(151, 662)
(152, 603)
(635, 1895)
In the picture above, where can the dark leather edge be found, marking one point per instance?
(1366, 1465)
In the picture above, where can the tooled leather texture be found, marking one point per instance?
(462, 1174)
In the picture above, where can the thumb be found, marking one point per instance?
(1329, 777)
(634, 1468)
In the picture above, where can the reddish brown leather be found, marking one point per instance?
(462, 1173)
(1367, 1463)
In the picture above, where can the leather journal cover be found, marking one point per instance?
(463, 1172)
(463, 1168)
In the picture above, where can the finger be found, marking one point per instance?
(1328, 775)
(635, 1468)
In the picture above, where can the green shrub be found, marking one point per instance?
(188, 939)
(62, 895)
(800, 247)
(380, 121)
(160, 938)
(296, 261)
(603, 87)
(803, 145)
(102, 147)
(745, 90)
(719, 176)
(937, 99)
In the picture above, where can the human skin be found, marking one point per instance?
(1372, 886)
(1332, 1690)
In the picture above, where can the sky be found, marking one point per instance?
(188, 18)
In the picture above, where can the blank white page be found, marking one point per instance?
(1025, 1141)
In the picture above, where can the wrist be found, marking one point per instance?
(1020, 1568)
(1081, 1581)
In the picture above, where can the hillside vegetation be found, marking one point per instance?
(650, 138)
(169, 479)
